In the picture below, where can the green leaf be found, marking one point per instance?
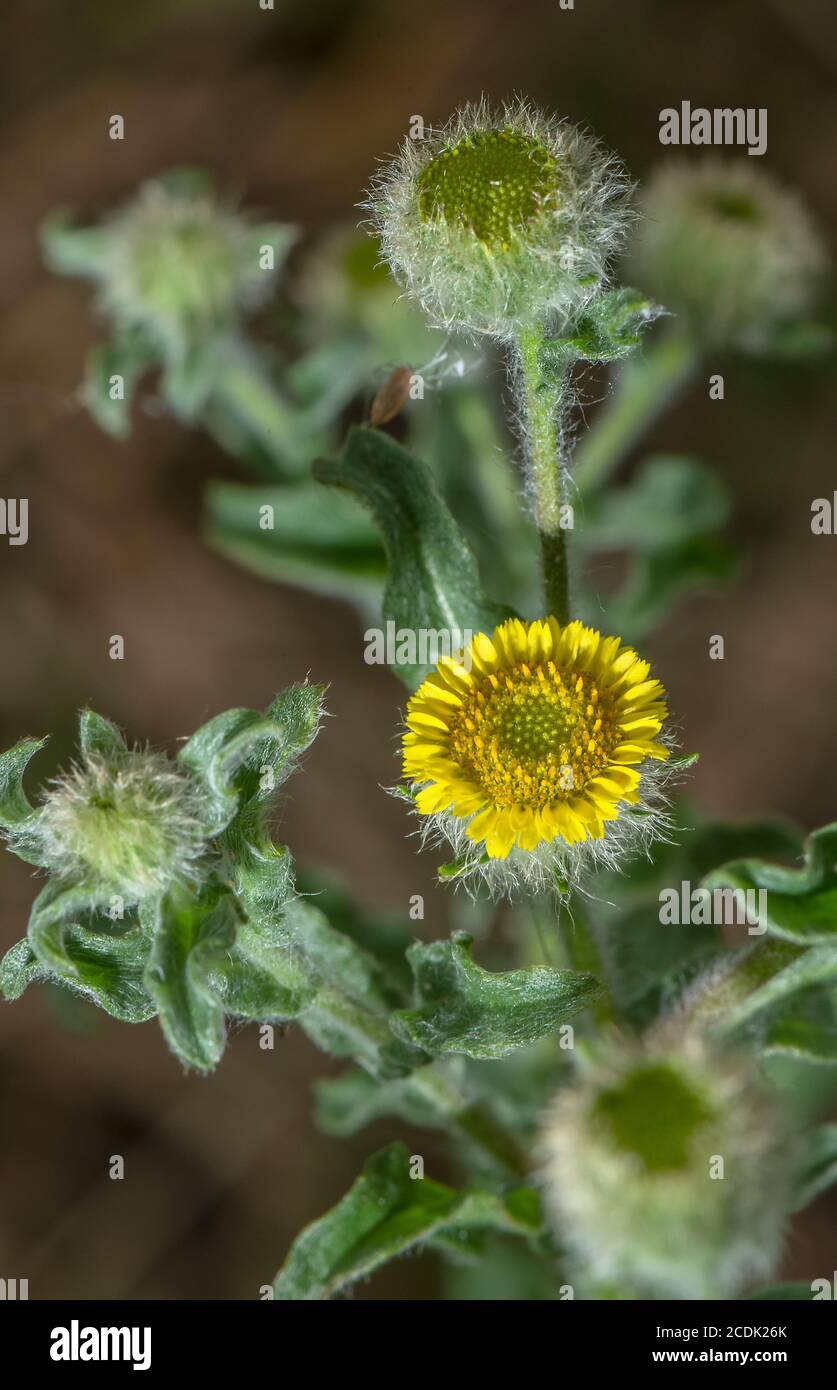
(800, 904)
(127, 355)
(15, 808)
(817, 1171)
(98, 737)
(74, 942)
(808, 1039)
(668, 501)
(609, 329)
(347, 1103)
(463, 1008)
(72, 250)
(192, 936)
(245, 755)
(659, 579)
(187, 382)
(319, 540)
(385, 1214)
(433, 584)
(800, 342)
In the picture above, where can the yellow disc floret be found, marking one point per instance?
(537, 733)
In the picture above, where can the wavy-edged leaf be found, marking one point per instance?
(245, 755)
(72, 940)
(191, 939)
(15, 807)
(433, 584)
(463, 1008)
(800, 903)
(609, 329)
(804, 1037)
(387, 1213)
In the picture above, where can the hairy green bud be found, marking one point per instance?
(730, 250)
(501, 220)
(180, 266)
(128, 823)
(665, 1172)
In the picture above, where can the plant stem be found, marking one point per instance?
(333, 1015)
(753, 979)
(244, 392)
(544, 401)
(645, 386)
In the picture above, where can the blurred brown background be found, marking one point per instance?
(292, 108)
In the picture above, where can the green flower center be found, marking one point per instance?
(495, 182)
(654, 1114)
(733, 207)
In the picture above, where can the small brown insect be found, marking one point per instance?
(391, 397)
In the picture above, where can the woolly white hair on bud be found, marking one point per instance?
(631, 1170)
(180, 266)
(501, 219)
(726, 246)
(125, 824)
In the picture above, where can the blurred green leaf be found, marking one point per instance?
(347, 1103)
(817, 1171)
(297, 533)
(127, 355)
(433, 584)
(72, 250)
(669, 501)
(386, 1213)
(463, 1008)
(800, 903)
(657, 580)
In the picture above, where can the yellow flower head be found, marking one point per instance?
(538, 736)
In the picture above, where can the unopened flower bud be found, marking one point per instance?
(502, 219)
(665, 1172)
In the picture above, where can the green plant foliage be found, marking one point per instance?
(386, 1214)
(463, 1008)
(433, 582)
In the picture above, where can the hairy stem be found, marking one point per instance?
(645, 386)
(751, 980)
(543, 403)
